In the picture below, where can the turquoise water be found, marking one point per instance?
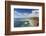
(21, 22)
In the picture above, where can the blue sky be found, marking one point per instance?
(23, 10)
(22, 13)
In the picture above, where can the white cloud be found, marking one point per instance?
(26, 15)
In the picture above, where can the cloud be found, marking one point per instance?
(25, 15)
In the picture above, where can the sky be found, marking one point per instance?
(23, 10)
(25, 13)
